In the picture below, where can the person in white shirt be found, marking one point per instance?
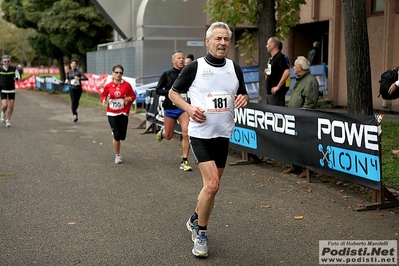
(216, 86)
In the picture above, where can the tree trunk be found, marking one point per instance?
(83, 63)
(267, 29)
(60, 61)
(358, 73)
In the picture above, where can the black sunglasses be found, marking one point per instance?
(116, 72)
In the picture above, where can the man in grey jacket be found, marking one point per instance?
(305, 94)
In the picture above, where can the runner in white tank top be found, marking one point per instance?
(216, 87)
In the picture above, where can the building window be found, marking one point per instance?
(376, 7)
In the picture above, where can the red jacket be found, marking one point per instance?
(117, 93)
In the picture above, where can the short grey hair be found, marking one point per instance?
(316, 44)
(215, 25)
(302, 62)
(176, 52)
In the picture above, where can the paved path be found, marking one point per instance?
(63, 201)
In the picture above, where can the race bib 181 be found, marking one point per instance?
(218, 102)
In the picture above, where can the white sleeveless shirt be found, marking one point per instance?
(213, 89)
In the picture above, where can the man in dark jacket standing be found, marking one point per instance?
(8, 75)
(314, 54)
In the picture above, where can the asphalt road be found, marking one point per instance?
(64, 201)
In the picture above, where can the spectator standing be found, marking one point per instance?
(305, 94)
(8, 75)
(314, 54)
(288, 81)
(74, 78)
(120, 97)
(277, 72)
(172, 113)
(189, 59)
(216, 87)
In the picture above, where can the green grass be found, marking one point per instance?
(88, 99)
(91, 99)
(390, 161)
(58, 76)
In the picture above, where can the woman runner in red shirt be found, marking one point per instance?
(120, 97)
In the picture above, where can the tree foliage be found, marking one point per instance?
(271, 17)
(74, 26)
(358, 72)
(14, 42)
(66, 27)
(235, 12)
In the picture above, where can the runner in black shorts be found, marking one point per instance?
(118, 96)
(8, 75)
(216, 87)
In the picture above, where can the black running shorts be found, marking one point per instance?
(10, 96)
(215, 149)
(119, 126)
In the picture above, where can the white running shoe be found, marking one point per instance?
(8, 124)
(200, 248)
(3, 117)
(118, 159)
(192, 227)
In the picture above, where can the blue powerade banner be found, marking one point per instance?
(345, 146)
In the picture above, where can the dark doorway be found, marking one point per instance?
(305, 34)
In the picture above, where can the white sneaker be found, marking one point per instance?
(3, 119)
(118, 159)
(8, 124)
(192, 227)
(200, 248)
